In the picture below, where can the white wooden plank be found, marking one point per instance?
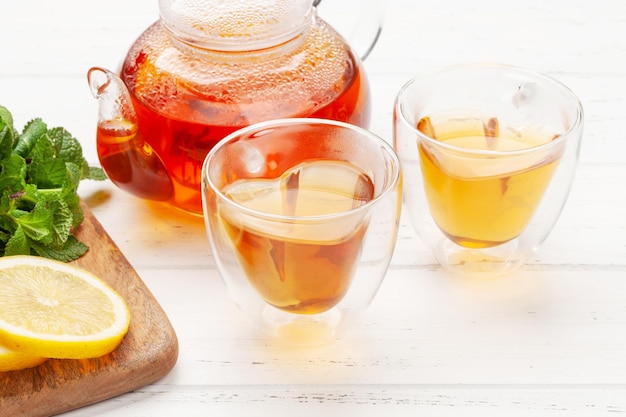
(367, 401)
(536, 327)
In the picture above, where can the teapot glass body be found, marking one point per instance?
(185, 97)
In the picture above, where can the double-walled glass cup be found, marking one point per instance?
(302, 216)
(488, 154)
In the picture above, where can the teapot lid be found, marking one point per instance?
(236, 25)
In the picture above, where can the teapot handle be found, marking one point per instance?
(367, 28)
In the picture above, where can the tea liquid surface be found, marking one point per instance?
(481, 201)
(301, 266)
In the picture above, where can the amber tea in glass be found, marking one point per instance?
(488, 154)
(294, 268)
(479, 203)
(302, 216)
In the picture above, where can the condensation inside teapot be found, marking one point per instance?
(236, 24)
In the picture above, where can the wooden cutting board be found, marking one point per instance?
(147, 353)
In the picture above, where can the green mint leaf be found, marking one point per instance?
(6, 139)
(61, 217)
(67, 195)
(17, 244)
(6, 116)
(26, 199)
(7, 132)
(66, 146)
(37, 224)
(4, 238)
(45, 170)
(73, 175)
(73, 205)
(32, 132)
(69, 192)
(12, 173)
(6, 205)
(71, 250)
(96, 174)
(69, 149)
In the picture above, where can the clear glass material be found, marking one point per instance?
(236, 25)
(302, 216)
(488, 153)
(247, 25)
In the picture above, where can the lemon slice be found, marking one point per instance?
(55, 310)
(11, 360)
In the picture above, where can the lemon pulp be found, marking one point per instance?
(55, 310)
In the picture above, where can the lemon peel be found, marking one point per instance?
(11, 360)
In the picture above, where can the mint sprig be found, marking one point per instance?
(40, 170)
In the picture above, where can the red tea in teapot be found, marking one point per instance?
(186, 99)
(133, 168)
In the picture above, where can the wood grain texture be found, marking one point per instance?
(147, 353)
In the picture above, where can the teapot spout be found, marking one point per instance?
(112, 95)
(129, 161)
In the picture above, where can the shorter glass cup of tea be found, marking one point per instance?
(488, 154)
(302, 216)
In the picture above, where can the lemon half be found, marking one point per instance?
(51, 309)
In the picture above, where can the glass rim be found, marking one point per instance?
(393, 167)
(576, 122)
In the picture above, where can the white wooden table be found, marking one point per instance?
(548, 341)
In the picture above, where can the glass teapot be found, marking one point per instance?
(209, 67)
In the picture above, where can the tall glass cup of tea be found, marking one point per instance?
(302, 216)
(489, 154)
